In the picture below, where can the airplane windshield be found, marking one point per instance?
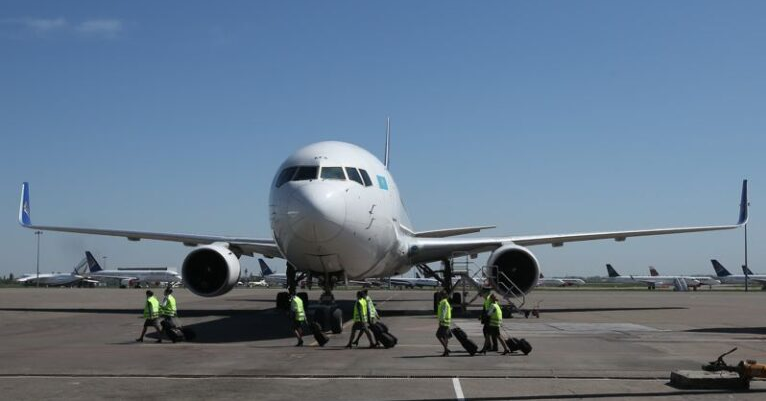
(353, 175)
(306, 173)
(333, 173)
(286, 175)
(365, 177)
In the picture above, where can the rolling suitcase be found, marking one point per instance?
(466, 342)
(172, 331)
(320, 337)
(519, 344)
(388, 340)
(524, 346)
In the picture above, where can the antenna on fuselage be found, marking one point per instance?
(388, 141)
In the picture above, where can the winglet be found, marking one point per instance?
(24, 212)
(743, 205)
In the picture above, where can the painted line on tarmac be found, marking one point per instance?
(458, 389)
(321, 377)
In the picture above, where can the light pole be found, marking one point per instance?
(746, 269)
(38, 234)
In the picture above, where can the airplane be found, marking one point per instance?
(130, 277)
(693, 282)
(58, 279)
(650, 281)
(335, 211)
(269, 276)
(727, 278)
(418, 281)
(559, 281)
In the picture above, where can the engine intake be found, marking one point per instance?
(210, 270)
(513, 270)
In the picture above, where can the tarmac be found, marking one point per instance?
(67, 343)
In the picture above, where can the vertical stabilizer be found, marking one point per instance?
(611, 271)
(720, 271)
(265, 269)
(653, 272)
(93, 265)
(747, 271)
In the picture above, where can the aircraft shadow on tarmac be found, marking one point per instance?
(730, 330)
(238, 325)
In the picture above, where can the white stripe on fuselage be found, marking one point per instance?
(325, 225)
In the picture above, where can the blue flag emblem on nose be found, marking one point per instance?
(382, 182)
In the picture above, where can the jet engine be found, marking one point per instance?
(210, 270)
(513, 270)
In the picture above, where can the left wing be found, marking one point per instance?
(247, 246)
(425, 250)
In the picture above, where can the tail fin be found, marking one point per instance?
(611, 271)
(747, 271)
(79, 268)
(417, 275)
(93, 265)
(265, 269)
(720, 271)
(743, 205)
(653, 271)
(541, 275)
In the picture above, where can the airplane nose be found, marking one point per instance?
(317, 212)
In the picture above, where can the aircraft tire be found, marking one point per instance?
(436, 301)
(457, 302)
(336, 320)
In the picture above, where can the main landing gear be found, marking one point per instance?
(327, 313)
(456, 298)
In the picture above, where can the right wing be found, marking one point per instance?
(426, 250)
(248, 246)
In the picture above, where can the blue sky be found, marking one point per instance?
(538, 117)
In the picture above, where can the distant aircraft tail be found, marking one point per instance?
(611, 271)
(93, 265)
(653, 271)
(541, 275)
(720, 271)
(80, 268)
(265, 269)
(417, 275)
(747, 271)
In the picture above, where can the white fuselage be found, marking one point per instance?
(329, 222)
(51, 279)
(137, 276)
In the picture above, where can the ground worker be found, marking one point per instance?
(372, 313)
(360, 322)
(151, 316)
(168, 307)
(495, 321)
(298, 317)
(490, 343)
(444, 313)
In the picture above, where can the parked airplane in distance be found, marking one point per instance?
(130, 277)
(59, 279)
(727, 278)
(693, 282)
(650, 281)
(335, 211)
(418, 281)
(269, 276)
(559, 281)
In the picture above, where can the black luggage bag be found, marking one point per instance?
(320, 337)
(466, 342)
(172, 331)
(382, 335)
(519, 344)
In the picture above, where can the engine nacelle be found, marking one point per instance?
(513, 270)
(210, 270)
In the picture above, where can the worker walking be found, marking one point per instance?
(444, 313)
(495, 321)
(151, 316)
(168, 309)
(298, 317)
(361, 321)
(490, 343)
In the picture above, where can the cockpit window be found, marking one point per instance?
(306, 173)
(333, 173)
(353, 175)
(285, 176)
(365, 177)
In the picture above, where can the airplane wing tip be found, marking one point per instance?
(25, 218)
(743, 206)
